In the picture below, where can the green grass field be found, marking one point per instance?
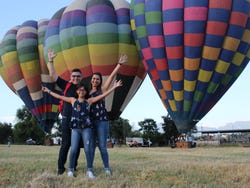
(36, 166)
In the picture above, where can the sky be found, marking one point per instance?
(233, 106)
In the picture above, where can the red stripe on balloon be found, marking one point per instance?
(154, 74)
(171, 4)
(156, 41)
(174, 52)
(175, 27)
(223, 4)
(192, 39)
(147, 53)
(238, 18)
(195, 13)
(161, 64)
(216, 28)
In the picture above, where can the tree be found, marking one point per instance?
(120, 128)
(5, 132)
(169, 128)
(27, 127)
(149, 130)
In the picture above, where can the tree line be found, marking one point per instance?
(26, 127)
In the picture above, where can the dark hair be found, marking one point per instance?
(99, 87)
(81, 84)
(76, 70)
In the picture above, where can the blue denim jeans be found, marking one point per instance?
(87, 137)
(65, 144)
(101, 132)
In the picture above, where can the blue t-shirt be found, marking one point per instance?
(80, 115)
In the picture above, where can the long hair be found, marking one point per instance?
(99, 87)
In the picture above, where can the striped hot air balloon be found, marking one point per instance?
(91, 35)
(193, 51)
(24, 70)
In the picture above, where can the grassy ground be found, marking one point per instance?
(220, 167)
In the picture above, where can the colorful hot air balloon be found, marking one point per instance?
(91, 35)
(24, 70)
(193, 51)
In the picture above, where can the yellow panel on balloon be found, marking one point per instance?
(178, 95)
(189, 85)
(238, 58)
(54, 108)
(211, 53)
(231, 43)
(30, 69)
(172, 105)
(191, 63)
(103, 54)
(77, 57)
(222, 67)
(11, 59)
(162, 94)
(204, 76)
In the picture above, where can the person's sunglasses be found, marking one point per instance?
(76, 76)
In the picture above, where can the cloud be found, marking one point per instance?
(7, 119)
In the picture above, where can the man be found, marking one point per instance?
(70, 87)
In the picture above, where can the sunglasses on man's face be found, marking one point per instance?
(75, 76)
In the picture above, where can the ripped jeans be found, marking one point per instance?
(86, 134)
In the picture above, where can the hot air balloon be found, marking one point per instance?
(91, 35)
(24, 70)
(192, 50)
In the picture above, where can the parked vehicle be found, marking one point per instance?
(137, 142)
(30, 141)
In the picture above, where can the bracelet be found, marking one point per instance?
(51, 61)
(120, 63)
(49, 92)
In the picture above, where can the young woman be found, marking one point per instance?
(99, 113)
(81, 124)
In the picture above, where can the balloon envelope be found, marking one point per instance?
(91, 36)
(192, 50)
(24, 70)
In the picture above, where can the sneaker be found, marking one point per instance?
(60, 171)
(90, 174)
(108, 172)
(70, 174)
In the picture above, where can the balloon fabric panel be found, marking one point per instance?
(22, 57)
(203, 46)
(91, 36)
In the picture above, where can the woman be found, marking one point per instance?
(81, 124)
(99, 113)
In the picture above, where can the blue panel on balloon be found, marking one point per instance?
(140, 20)
(177, 85)
(143, 42)
(192, 52)
(195, 3)
(235, 31)
(190, 75)
(175, 64)
(207, 65)
(220, 15)
(172, 15)
(173, 40)
(214, 40)
(154, 29)
(194, 26)
(158, 53)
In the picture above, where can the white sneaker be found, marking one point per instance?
(70, 174)
(108, 172)
(90, 175)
